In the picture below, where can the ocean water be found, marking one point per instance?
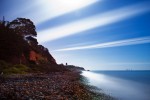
(123, 85)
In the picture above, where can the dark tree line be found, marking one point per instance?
(23, 27)
(12, 42)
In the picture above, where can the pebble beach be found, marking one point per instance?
(52, 86)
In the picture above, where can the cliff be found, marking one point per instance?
(17, 47)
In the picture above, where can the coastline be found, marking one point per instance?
(68, 85)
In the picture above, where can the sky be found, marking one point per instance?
(94, 34)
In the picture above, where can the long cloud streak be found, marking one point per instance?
(50, 9)
(92, 22)
(111, 44)
(40, 11)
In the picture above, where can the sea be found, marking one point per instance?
(122, 85)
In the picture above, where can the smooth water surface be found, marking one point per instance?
(123, 85)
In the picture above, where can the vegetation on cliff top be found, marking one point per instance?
(19, 48)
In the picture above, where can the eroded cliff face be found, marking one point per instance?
(14, 49)
(45, 54)
(38, 58)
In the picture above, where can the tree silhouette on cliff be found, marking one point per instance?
(17, 40)
(11, 45)
(23, 27)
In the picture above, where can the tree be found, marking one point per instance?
(11, 44)
(3, 23)
(23, 27)
(32, 41)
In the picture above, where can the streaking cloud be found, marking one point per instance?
(92, 22)
(126, 42)
(47, 9)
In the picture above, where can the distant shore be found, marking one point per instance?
(53, 86)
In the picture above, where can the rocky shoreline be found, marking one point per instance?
(51, 86)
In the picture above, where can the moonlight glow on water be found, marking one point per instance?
(124, 85)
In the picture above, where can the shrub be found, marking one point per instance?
(16, 69)
(3, 65)
(21, 67)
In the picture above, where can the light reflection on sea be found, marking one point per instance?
(119, 87)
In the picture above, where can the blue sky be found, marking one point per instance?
(94, 34)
